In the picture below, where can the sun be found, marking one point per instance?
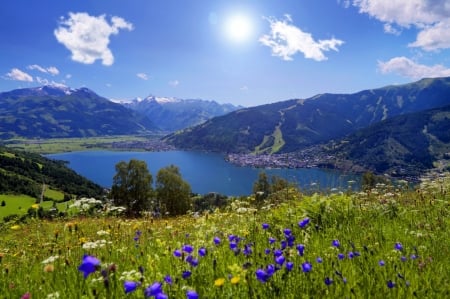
(238, 28)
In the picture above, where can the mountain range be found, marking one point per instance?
(172, 114)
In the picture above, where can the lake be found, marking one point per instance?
(205, 172)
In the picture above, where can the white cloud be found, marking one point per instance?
(142, 76)
(408, 68)
(174, 83)
(50, 70)
(286, 40)
(244, 88)
(18, 75)
(430, 17)
(88, 37)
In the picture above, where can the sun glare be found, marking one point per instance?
(238, 28)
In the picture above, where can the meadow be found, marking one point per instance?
(387, 242)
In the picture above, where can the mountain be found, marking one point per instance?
(172, 114)
(405, 144)
(59, 111)
(292, 125)
(24, 173)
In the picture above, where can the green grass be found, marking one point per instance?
(54, 194)
(389, 236)
(15, 204)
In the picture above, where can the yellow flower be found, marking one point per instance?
(219, 282)
(235, 279)
(82, 240)
(35, 206)
(15, 227)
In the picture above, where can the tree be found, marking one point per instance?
(173, 193)
(261, 187)
(132, 186)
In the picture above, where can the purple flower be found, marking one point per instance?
(265, 226)
(280, 259)
(300, 249)
(186, 274)
(247, 249)
(319, 260)
(328, 281)
(202, 251)
(216, 240)
(277, 252)
(177, 253)
(351, 255)
(289, 266)
(130, 286)
(193, 262)
(262, 275)
(341, 256)
(271, 240)
(191, 294)
(398, 246)
(267, 250)
(270, 269)
(335, 243)
(287, 232)
(306, 267)
(390, 284)
(88, 265)
(153, 290)
(168, 279)
(161, 295)
(303, 223)
(381, 263)
(403, 258)
(188, 248)
(413, 256)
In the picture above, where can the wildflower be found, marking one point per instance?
(280, 259)
(235, 279)
(15, 227)
(381, 263)
(270, 269)
(202, 251)
(403, 258)
(130, 286)
(262, 275)
(277, 252)
(161, 295)
(398, 246)
(265, 226)
(413, 256)
(328, 281)
(306, 267)
(303, 223)
(271, 240)
(193, 262)
(186, 274)
(88, 265)
(153, 290)
(287, 232)
(177, 253)
(247, 249)
(267, 250)
(35, 206)
(390, 284)
(351, 255)
(27, 295)
(289, 266)
(168, 279)
(319, 260)
(335, 243)
(191, 294)
(49, 268)
(341, 256)
(216, 240)
(219, 282)
(300, 249)
(51, 259)
(188, 248)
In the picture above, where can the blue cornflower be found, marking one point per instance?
(153, 289)
(413, 256)
(272, 240)
(265, 226)
(283, 244)
(357, 253)
(328, 281)
(403, 258)
(306, 267)
(202, 251)
(188, 248)
(335, 243)
(247, 249)
(319, 260)
(290, 240)
(161, 295)
(287, 232)
(130, 286)
(341, 256)
(351, 255)
(191, 294)
(177, 253)
(300, 249)
(233, 245)
(267, 250)
(381, 263)
(398, 246)
(193, 262)
(390, 284)
(270, 269)
(262, 275)
(280, 259)
(186, 274)
(277, 252)
(216, 240)
(168, 279)
(289, 266)
(88, 265)
(303, 223)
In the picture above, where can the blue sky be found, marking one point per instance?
(247, 52)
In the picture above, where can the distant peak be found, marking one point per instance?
(161, 100)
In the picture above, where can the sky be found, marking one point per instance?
(248, 52)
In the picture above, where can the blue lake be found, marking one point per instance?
(205, 172)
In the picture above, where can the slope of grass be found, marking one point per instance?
(388, 242)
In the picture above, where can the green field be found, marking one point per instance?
(386, 242)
